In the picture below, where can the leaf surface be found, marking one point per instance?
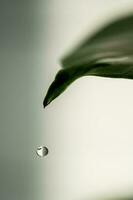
(108, 53)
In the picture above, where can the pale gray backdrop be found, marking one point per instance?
(89, 135)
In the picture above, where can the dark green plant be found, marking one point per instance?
(108, 53)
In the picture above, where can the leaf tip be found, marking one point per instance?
(46, 102)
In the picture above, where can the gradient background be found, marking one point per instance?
(89, 134)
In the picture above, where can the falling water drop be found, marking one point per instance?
(42, 151)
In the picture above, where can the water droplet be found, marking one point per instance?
(42, 151)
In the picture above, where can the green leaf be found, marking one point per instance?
(108, 53)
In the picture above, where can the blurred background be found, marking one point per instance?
(89, 135)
